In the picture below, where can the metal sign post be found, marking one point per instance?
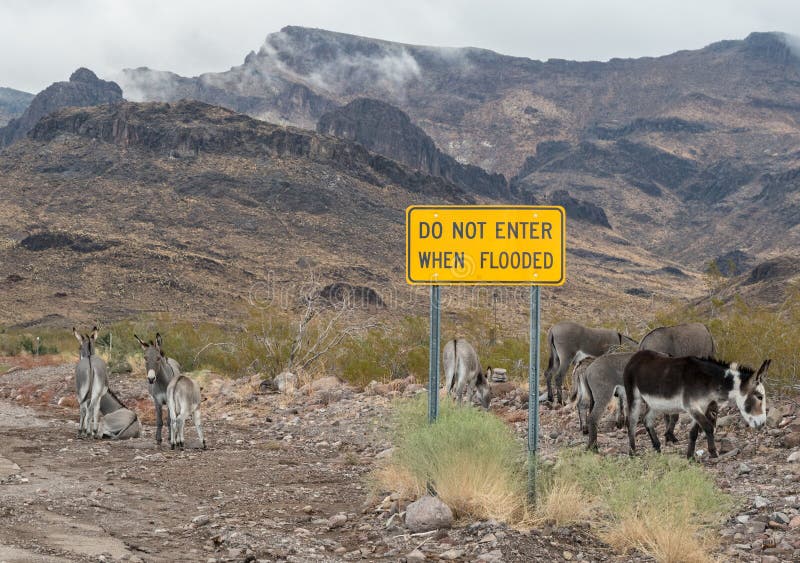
(433, 371)
(533, 391)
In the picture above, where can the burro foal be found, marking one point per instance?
(463, 373)
(657, 383)
(183, 401)
(91, 383)
(160, 371)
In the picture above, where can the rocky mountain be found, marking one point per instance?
(386, 130)
(690, 155)
(82, 89)
(189, 208)
(12, 104)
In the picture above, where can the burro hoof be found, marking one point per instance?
(172, 446)
(204, 445)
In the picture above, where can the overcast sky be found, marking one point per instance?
(42, 41)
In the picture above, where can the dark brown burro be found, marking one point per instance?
(656, 383)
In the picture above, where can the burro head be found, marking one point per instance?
(153, 355)
(86, 342)
(748, 392)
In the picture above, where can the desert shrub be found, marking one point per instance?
(749, 333)
(386, 352)
(470, 457)
(664, 506)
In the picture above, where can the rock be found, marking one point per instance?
(743, 518)
(488, 538)
(567, 555)
(791, 440)
(779, 517)
(794, 456)
(387, 453)
(499, 375)
(760, 502)
(428, 513)
(794, 522)
(337, 521)
(727, 420)
(726, 445)
(286, 382)
(452, 554)
(375, 388)
(776, 414)
(415, 555)
(743, 469)
(327, 383)
(308, 509)
(201, 520)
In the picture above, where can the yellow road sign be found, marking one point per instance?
(486, 245)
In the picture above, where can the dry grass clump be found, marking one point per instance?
(468, 456)
(660, 505)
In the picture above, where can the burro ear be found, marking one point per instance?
(95, 332)
(762, 371)
(77, 335)
(159, 341)
(143, 345)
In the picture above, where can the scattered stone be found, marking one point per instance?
(794, 522)
(779, 517)
(415, 555)
(794, 456)
(791, 440)
(451, 554)
(495, 556)
(567, 555)
(337, 521)
(428, 513)
(387, 453)
(286, 382)
(760, 502)
(743, 518)
(201, 520)
(744, 469)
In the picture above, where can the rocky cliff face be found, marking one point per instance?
(12, 104)
(188, 129)
(385, 129)
(82, 89)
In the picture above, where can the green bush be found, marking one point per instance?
(469, 456)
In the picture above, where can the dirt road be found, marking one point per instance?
(282, 480)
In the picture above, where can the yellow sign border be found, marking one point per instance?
(428, 282)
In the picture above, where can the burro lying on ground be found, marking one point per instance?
(91, 384)
(463, 373)
(183, 401)
(570, 342)
(160, 371)
(118, 421)
(656, 383)
(688, 339)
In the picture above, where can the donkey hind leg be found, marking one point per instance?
(94, 412)
(670, 421)
(635, 406)
(159, 420)
(84, 409)
(649, 424)
(559, 382)
(693, 433)
(593, 416)
(705, 422)
(619, 392)
(199, 427)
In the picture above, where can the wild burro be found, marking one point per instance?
(183, 401)
(688, 339)
(91, 384)
(570, 342)
(656, 383)
(160, 372)
(464, 375)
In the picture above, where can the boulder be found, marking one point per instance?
(428, 513)
(286, 382)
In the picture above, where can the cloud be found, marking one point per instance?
(50, 39)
